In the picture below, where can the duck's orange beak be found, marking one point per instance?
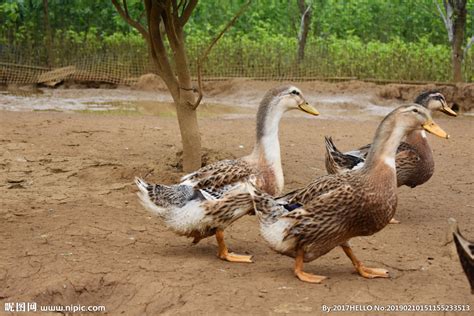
(447, 110)
(305, 107)
(434, 129)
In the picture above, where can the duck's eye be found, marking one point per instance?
(295, 92)
(415, 110)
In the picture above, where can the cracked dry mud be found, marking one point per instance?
(73, 231)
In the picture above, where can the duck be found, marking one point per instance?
(208, 200)
(309, 222)
(465, 250)
(414, 160)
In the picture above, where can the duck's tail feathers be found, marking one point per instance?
(339, 162)
(331, 151)
(269, 209)
(330, 146)
(148, 198)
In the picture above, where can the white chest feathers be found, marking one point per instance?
(389, 161)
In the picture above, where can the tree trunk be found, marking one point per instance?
(187, 118)
(304, 28)
(458, 39)
(47, 32)
(189, 129)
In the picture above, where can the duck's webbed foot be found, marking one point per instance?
(394, 221)
(366, 272)
(304, 276)
(224, 253)
(371, 273)
(233, 257)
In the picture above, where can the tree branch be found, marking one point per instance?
(305, 14)
(187, 11)
(208, 49)
(154, 17)
(124, 14)
(446, 18)
(170, 21)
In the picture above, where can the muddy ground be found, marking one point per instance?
(73, 232)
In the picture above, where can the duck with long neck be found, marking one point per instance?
(210, 199)
(422, 170)
(266, 156)
(309, 222)
(266, 153)
(414, 158)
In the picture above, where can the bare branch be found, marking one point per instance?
(170, 26)
(159, 54)
(305, 14)
(187, 11)
(208, 49)
(175, 9)
(443, 17)
(124, 14)
(447, 18)
(181, 6)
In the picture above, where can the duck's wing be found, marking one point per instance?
(319, 186)
(326, 217)
(465, 251)
(216, 179)
(361, 152)
(338, 162)
(158, 198)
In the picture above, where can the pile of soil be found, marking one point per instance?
(461, 96)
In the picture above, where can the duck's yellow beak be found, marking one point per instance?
(305, 107)
(434, 129)
(447, 110)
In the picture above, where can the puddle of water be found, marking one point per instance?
(204, 110)
(131, 102)
(106, 102)
(21, 93)
(162, 109)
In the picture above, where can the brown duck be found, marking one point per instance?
(414, 160)
(207, 201)
(309, 222)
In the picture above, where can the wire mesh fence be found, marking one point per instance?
(124, 63)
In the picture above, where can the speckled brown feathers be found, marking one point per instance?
(218, 177)
(334, 209)
(221, 213)
(308, 222)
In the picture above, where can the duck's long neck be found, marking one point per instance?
(382, 154)
(267, 150)
(419, 141)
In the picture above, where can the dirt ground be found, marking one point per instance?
(73, 231)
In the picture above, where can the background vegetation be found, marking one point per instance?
(384, 39)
